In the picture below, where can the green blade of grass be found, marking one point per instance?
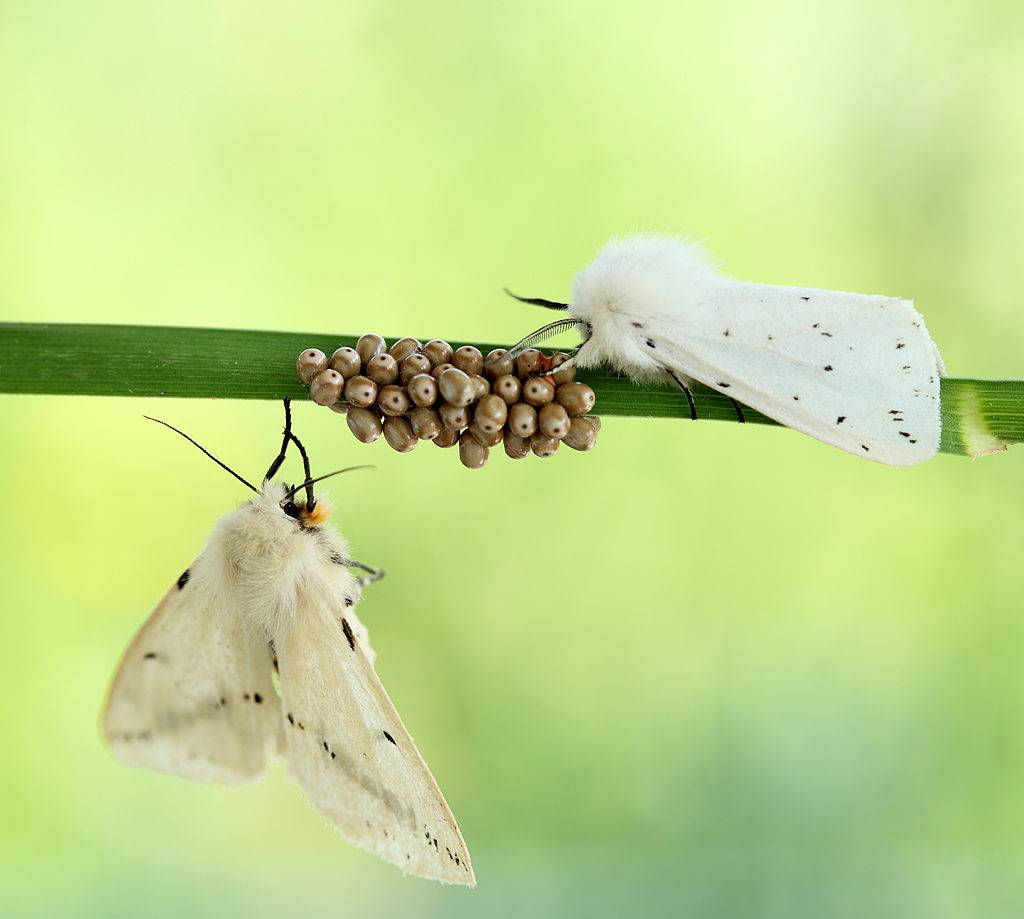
(978, 416)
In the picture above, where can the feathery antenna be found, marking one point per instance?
(222, 465)
(538, 301)
(545, 332)
(309, 482)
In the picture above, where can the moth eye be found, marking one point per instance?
(290, 508)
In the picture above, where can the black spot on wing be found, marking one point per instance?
(390, 738)
(257, 698)
(347, 629)
(723, 385)
(828, 367)
(183, 580)
(149, 656)
(865, 448)
(840, 419)
(637, 325)
(650, 342)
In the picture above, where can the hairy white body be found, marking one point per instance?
(856, 371)
(195, 693)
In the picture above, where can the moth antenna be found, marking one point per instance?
(224, 466)
(538, 301)
(326, 475)
(308, 484)
(276, 464)
(545, 332)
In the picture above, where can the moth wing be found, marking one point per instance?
(855, 371)
(351, 754)
(193, 694)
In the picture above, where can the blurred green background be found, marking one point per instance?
(751, 675)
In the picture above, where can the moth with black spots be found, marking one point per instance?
(657, 309)
(195, 693)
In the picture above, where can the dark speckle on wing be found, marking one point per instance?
(349, 636)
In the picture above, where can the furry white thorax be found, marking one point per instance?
(637, 280)
(261, 560)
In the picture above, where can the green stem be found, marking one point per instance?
(978, 416)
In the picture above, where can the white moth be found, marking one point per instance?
(196, 695)
(857, 371)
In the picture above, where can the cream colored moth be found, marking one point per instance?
(257, 650)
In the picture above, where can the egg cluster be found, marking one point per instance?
(411, 392)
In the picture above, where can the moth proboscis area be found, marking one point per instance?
(195, 693)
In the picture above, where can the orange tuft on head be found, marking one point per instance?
(321, 511)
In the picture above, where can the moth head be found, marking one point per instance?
(306, 509)
(296, 506)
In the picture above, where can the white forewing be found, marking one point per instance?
(858, 372)
(352, 755)
(193, 694)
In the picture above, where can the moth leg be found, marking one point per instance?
(276, 464)
(740, 417)
(689, 395)
(372, 574)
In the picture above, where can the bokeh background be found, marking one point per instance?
(750, 675)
